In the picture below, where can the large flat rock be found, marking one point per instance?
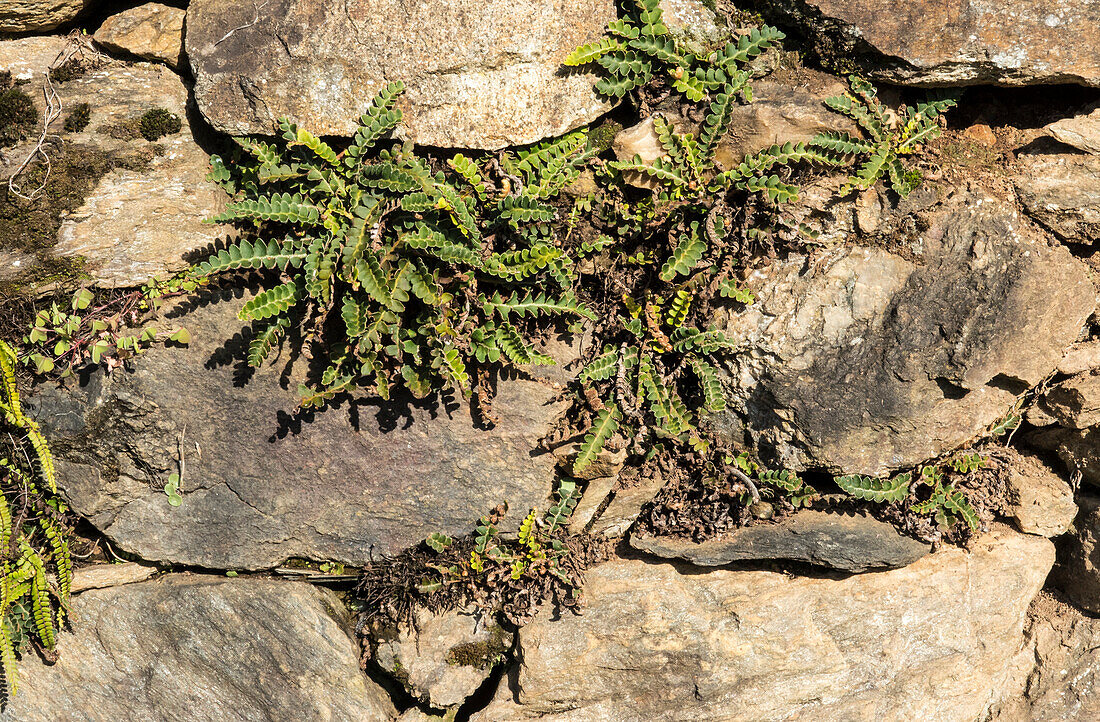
(350, 483)
(934, 641)
(203, 649)
(480, 73)
(956, 42)
(39, 16)
(863, 360)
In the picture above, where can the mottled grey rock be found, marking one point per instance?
(1079, 449)
(479, 73)
(151, 32)
(39, 16)
(956, 42)
(934, 641)
(859, 360)
(446, 658)
(102, 576)
(1062, 193)
(201, 648)
(350, 483)
(852, 543)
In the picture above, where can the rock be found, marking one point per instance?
(1062, 193)
(446, 659)
(932, 641)
(780, 112)
(592, 499)
(1075, 402)
(145, 214)
(852, 543)
(626, 506)
(480, 74)
(1080, 357)
(39, 16)
(101, 576)
(1078, 570)
(691, 18)
(981, 134)
(188, 647)
(1081, 131)
(1079, 449)
(152, 32)
(1040, 501)
(858, 360)
(929, 42)
(1064, 646)
(349, 484)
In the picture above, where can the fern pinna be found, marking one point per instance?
(407, 274)
(34, 551)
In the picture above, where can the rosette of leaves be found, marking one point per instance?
(641, 381)
(889, 136)
(404, 273)
(35, 564)
(638, 46)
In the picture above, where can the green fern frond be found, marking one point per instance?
(379, 119)
(471, 173)
(265, 341)
(280, 208)
(591, 52)
(876, 490)
(602, 368)
(253, 255)
(272, 302)
(605, 426)
(299, 136)
(686, 256)
(749, 46)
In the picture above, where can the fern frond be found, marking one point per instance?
(265, 341)
(605, 426)
(246, 254)
(602, 368)
(379, 119)
(876, 490)
(535, 305)
(590, 52)
(300, 136)
(713, 396)
(471, 173)
(749, 46)
(686, 256)
(280, 208)
(272, 302)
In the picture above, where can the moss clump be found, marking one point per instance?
(18, 116)
(603, 135)
(69, 70)
(158, 123)
(78, 119)
(480, 655)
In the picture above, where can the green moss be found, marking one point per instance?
(481, 655)
(602, 135)
(18, 116)
(158, 123)
(78, 119)
(69, 70)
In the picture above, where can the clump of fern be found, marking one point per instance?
(889, 136)
(406, 274)
(639, 45)
(34, 553)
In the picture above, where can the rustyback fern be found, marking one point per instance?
(35, 564)
(401, 272)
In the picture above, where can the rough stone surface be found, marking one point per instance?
(204, 649)
(446, 659)
(692, 18)
(1080, 357)
(625, 507)
(1078, 570)
(152, 32)
(1079, 449)
(1075, 402)
(853, 543)
(961, 42)
(140, 220)
(860, 360)
(479, 74)
(934, 641)
(348, 484)
(1062, 684)
(1040, 502)
(39, 16)
(780, 112)
(1082, 131)
(1062, 193)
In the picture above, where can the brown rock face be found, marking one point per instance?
(480, 74)
(37, 16)
(933, 641)
(204, 649)
(862, 361)
(1062, 192)
(953, 42)
(348, 484)
(152, 32)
